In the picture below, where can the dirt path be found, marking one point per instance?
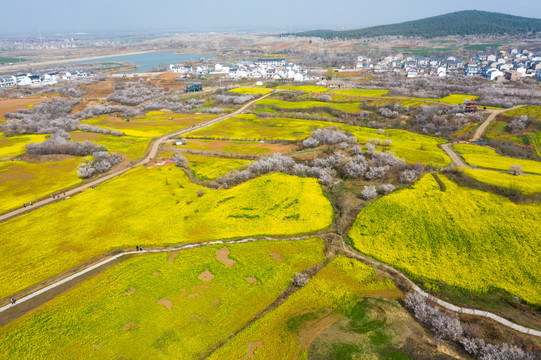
(151, 153)
(481, 129)
(457, 159)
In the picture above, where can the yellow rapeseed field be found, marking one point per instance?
(15, 145)
(306, 88)
(410, 146)
(210, 168)
(22, 182)
(488, 158)
(283, 333)
(155, 206)
(154, 124)
(526, 184)
(251, 91)
(177, 305)
(463, 237)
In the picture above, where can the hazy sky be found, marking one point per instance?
(34, 16)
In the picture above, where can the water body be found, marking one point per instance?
(149, 61)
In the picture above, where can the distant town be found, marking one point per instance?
(511, 65)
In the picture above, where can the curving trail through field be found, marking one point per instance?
(481, 129)
(151, 152)
(457, 159)
(392, 273)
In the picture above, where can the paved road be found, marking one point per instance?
(481, 129)
(151, 153)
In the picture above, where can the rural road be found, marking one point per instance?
(457, 160)
(367, 260)
(481, 129)
(153, 152)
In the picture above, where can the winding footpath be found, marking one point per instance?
(457, 159)
(150, 154)
(393, 274)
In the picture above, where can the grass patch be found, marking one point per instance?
(410, 146)
(526, 184)
(251, 91)
(306, 88)
(463, 237)
(331, 293)
(488, 158)
(210, 168)
(97, 311)
(156, 206)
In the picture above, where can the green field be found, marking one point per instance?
(362, 92)
(154, 124)
(210, 168)
(303, 105)
(133, 147)
(306, 88)
(333, 292)
(410, 146)
(157, 206)
(526, 184)
(251, 91)
(487, 158)
(156, 306)
(466, 238)
(22, 182)
(15, 145)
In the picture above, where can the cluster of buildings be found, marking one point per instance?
(33, 79)
(272, 68)
(512, 65)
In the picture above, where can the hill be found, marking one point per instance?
(468, 22)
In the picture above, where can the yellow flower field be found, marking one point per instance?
(306, 88)
(331, 293)
(154, 124)
(251, 91)
(410, 146)
(160, 306)
(526, 184)
(464, 237)
(157, 206)
(345, 107)
(15, 145)
(362, 92)
(22, 182)
(133, 147)
(488, 158)
(209, 168)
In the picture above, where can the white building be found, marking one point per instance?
(7, 81)
(23, 79)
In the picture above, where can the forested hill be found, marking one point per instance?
(469, 22)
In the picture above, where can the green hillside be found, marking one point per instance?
(468, 22)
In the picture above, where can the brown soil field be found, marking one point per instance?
(12, 105)
(100, 90)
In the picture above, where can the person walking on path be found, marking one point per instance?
(13, 301)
